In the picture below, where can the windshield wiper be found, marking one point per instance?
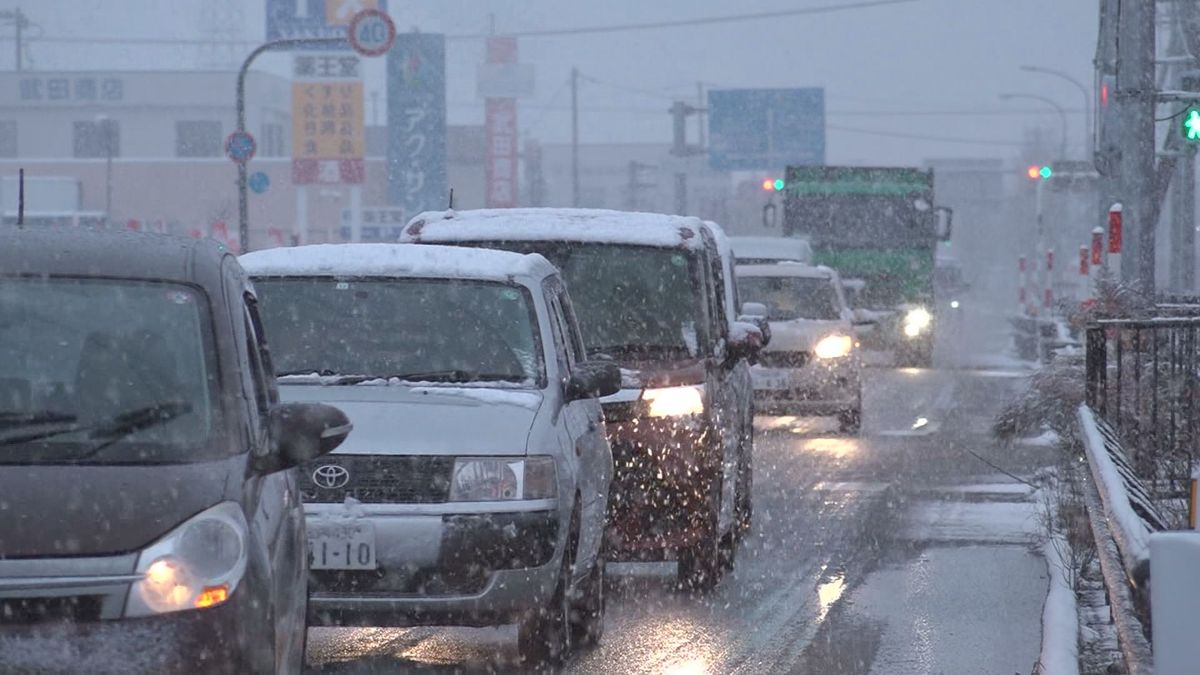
(634, 347)
(16, 418)
(111, 430)
(458, 375)
(326, 372)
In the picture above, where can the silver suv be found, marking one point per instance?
(476, 487)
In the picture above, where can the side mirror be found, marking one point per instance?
(756, 313)
(593, 379)
(304, 431)
(861, 318)
(945, 222)
(745, 341)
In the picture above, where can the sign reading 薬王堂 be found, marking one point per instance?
(327, 119)
(416, 71)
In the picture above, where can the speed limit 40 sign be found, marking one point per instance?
(372, 32)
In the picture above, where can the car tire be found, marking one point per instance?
(544, 636)
(701, 565)
(587, 618)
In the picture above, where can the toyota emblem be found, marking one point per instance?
(330, 476)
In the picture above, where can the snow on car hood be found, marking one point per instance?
(802, 335)
(428, 420)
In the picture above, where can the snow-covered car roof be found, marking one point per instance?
(772, 248)
(395, 260)
(540, 224)
(786, 269)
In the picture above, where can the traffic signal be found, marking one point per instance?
(1191, 124)
(1039, 172)
(772, 184)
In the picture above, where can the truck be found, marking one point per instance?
(880, 225)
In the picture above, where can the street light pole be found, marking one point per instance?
(1062, 116)
(243, 197)
(1090, 137)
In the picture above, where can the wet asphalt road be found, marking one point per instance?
(830, 510)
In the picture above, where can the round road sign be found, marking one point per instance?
(240, 146)
(372, 32)
(259, 182)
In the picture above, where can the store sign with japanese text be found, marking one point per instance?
(327, 120)
(416, 70)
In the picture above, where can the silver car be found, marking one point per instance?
(475, 488)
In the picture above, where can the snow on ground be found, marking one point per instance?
(1060, 617)
(990, 522)
(1117, 505)
(1048, 439)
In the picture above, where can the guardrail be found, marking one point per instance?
(1142, 379)
(1139, 427)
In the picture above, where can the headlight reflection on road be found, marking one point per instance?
(696, 666)
(828, 593)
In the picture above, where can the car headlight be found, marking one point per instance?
(486, 479)
(198, 564)
(834, 346)
(675, 401)
(916, 321)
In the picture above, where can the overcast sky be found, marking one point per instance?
(950, 57)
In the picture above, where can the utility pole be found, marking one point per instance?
(1135, 98)
(20, 21)
(700, 117)
(575, 137)
(636, 185)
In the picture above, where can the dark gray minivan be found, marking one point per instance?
(149, 514)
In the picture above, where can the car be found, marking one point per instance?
(152, 518)
(768, 250)
(813, 365)
(475, 489)
(655, 294)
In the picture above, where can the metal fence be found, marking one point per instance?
(1142, 379)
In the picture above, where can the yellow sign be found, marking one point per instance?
(340, 12)
(327, 120)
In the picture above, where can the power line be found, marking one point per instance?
(922, 137)
(549, 32)
(680, 23)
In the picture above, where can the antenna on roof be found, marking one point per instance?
(21, 198)
(451, 207)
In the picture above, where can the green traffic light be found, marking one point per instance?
(1045, 172)
(779, 184)
(1191, 125)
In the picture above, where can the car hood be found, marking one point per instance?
(53, 510)
(396, 419)
(802, 335)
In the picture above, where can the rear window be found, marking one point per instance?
(789, 298)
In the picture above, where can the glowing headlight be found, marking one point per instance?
(916, 321)
(503, 479)
(198, 564)
(675, 401)
(834, 346)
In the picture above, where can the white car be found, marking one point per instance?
(812, 365)
(475, 489)
(767, 250)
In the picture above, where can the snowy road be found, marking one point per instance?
(897, 552)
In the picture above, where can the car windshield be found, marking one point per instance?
(90, 362)
(790, 298)
(434, 330)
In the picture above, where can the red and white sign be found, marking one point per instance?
(502, 182)
(372, 32)
(1114, 228)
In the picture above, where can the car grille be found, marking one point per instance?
(392, 582)
(21, 611)
(381, 479)
(784, 359)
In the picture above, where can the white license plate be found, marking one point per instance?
(772, 382)
(342, 548)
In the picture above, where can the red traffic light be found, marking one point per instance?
(1034, 172)
(768, 184)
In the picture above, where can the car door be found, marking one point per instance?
(722, 392)
(584, 422)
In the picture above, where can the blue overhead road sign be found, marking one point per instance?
(287, 19)
(757, 129)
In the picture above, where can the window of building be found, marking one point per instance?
(8, 138)
(100, 138)
(198, 138)
(272, 140)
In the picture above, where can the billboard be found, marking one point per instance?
(416, 77)
(328, 137)
(762, 129)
